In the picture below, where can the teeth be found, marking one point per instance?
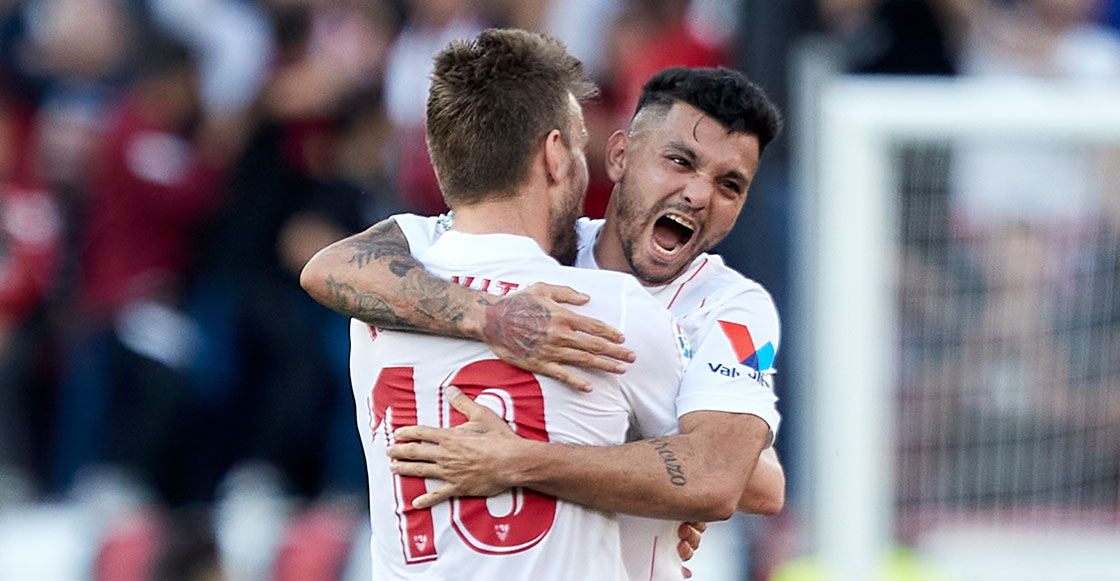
(679, 220)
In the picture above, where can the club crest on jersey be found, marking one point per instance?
(759, 359)
(683, 346)
(502, 530)
(421, 542)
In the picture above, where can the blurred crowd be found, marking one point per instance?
(167, 167)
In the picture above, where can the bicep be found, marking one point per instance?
(728, 441)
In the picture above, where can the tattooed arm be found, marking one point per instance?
(699, 474)
(373, 277)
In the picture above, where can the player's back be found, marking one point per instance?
(399, 379)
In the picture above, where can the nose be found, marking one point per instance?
(698, 192)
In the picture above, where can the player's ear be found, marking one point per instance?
(556, 156)
(617, 145)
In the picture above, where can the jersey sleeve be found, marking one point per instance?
(650, 384)
(732, 365)
(420, 231)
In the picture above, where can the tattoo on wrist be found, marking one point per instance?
(517, 323)
(672, 465)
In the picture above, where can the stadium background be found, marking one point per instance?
(173, 406)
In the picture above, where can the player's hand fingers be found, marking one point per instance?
(568, 295)
(590, 344)
(480, 419)
(434, 497)
(686, 572)
(594, 328)
(690, 533)
(464, 403)
(578, 358)
(419, 434)
(558, 294)
(685, 550)
(700, 526)
(417, 469)
(415, 452)
(563, 375)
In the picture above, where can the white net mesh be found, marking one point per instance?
(1008, 340)
(961, 278)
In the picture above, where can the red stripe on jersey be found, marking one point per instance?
(702, 265)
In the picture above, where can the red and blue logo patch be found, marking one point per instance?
(759, 359)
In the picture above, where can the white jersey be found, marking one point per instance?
(732, 327)
(399, 379)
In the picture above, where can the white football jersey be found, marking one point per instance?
(732, 327)
(399, 379)
(733, 332)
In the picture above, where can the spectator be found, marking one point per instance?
(312, 170)
(131, 346)
(30, 244)
(430, 26)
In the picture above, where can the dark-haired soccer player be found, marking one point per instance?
(681, 176)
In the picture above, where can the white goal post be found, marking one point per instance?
(848, 267)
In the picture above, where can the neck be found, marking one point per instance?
(608, 248)
(519, 215)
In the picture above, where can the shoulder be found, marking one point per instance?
(624, 288)
(734, 307)
(718, 287)
(420, 231)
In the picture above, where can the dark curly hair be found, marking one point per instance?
(723, 94)
(492, 100)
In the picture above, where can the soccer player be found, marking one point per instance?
(517, 189)
(681, 173)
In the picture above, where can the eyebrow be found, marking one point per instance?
(688, 152)
(684, 149)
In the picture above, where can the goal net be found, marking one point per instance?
(962, 294)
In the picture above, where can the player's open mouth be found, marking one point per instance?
(671, 233)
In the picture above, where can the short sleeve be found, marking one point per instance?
(732, 365)
(420, 231)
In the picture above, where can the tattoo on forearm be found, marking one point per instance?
(377, 245)
(518, 323)
(368, 307)
(401, 267)
(672, 465)
(417, 300)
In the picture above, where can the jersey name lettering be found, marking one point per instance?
(501, 287)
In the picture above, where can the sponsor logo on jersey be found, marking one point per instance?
(759, 376)
(759, 359)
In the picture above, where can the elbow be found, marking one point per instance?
(311, 277)
(767, 503)
(716, 504)
(771, 506)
